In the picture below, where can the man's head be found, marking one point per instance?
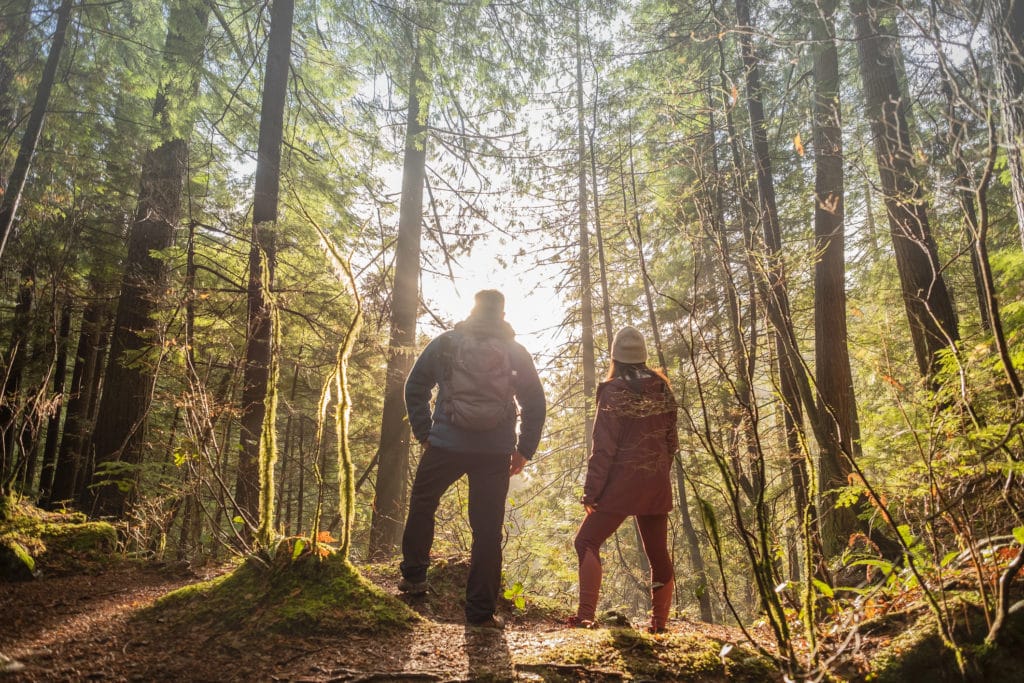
(489, 304)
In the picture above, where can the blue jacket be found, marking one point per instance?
(436, 429)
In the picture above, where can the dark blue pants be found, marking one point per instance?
(488, 488)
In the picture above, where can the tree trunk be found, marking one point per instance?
(744, 354)
(586, 291)
(13, 26)
(642, 259)
(836, 402)
(933, 323)
(392, 458)
(693, 547)
(606, 309)
(343, 418)
(254, 492)
(77, 415)
(60, 367)
(12, 405)
(34, 127)
(966, 196)
(1007, 28)
(119, 432)
(284, 500)
(774, 278)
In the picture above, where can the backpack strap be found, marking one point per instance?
(447, 355)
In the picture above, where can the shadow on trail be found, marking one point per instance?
(488, 655)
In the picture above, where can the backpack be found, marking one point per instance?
(480, 381)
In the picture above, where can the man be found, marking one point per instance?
(482, 376)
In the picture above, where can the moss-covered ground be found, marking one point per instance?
(627, 654)
(297, 616)
(37, 542)
(909, 648)
(305, 595)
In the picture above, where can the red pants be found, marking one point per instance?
(595, 530)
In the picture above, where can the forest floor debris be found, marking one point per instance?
(108, 622)
(87, 627)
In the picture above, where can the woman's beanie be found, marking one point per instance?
(489, 304)
(629, 346)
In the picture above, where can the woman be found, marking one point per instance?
(628, 474)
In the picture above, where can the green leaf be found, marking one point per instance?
(237, 519)
(1018, 533)
(871, 562)
(824, 588)
(300, 544)
(950, 556)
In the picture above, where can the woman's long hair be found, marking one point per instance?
(633, 372)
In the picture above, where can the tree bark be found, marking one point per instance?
(744, 354)
(77, 415)
(13, 25)
(606, 309)
(1006, 25)
(642, 259)
(60, 366)
(254, 491)
(12, 405)
(774, 277)
(932, 318)
(34, 127)
(693, 547)
(586, 289)
(390, 491)
(836, 402)
(120, 423)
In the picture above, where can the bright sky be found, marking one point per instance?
(532, 306)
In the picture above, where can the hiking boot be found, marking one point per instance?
(493, 622)
(579, 622)
(413, 587)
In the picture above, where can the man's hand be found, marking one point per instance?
(516, 463)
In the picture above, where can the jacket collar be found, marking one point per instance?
(483, 327)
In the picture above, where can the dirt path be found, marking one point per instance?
(85, 627)
(81, 628)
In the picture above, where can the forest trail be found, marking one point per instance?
(87, 627)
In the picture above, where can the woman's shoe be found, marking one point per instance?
(576, 622)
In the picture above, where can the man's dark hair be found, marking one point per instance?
(490, 304)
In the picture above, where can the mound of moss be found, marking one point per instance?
(917, 652)
(606, 653)
(303, 595)
(34, 541)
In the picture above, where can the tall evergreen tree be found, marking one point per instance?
(1006, 25)
(929, 306)
(393, 452)
(119, 435)
(587, 359)
(254, 492)
(33, 127)
(833, 374)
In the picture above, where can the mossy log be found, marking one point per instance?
(33, 541)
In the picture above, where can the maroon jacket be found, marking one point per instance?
(634, 441)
